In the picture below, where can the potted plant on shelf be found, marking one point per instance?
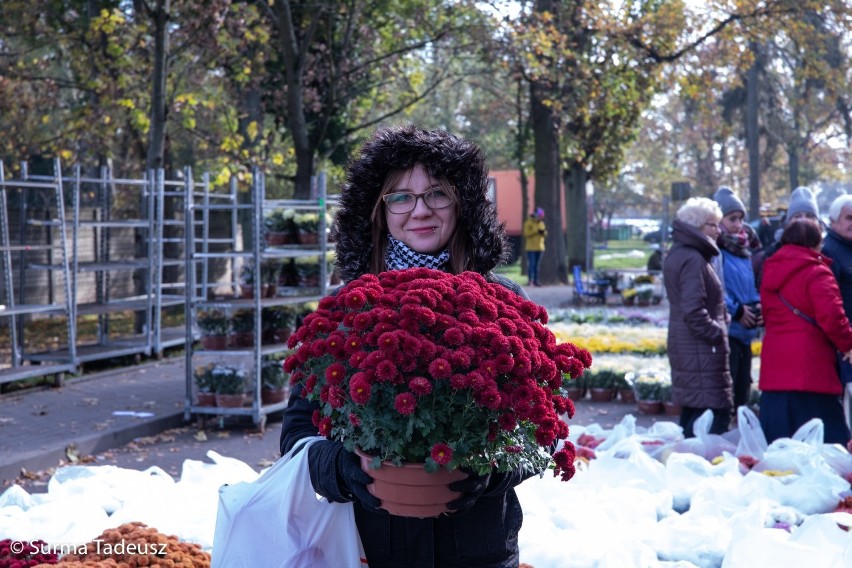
(307, 227)
(404, 395)
(274, 381)
(242, 328)
(248, 279)
(270, 270)
(646, 387)
(278, 323)
(278, 227)
(214, 326)
(230, 385)
(205, 385)
(308, 271)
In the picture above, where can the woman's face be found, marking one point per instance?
(733, 222)
(711, 227)
(422, 229)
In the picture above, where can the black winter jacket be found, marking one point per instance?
(486, 535)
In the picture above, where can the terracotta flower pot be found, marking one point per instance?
(274, 239)
(601, 395)
(206, 398)
(671, 409)
(230, 400)
(409, 490)
(214, 342)
(575, 393)
(308, 237)
(242, 339)
(650, 406)
(627, 396)
(247, 291)
(269, 396)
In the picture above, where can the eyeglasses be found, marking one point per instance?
(405, 201)
(714, 225)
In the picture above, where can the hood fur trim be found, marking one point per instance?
(442, 155)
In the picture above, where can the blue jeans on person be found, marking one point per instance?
(533, 258)
(784, 412)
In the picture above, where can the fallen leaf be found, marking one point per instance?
(200, 436)
(72, 453)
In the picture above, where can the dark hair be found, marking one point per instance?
(802, 232)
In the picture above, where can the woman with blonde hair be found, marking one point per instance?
(698, 332)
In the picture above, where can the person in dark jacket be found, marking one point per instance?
(741, 297)
(805, 328)
(838, 247)
(698, 332)
(416, 198)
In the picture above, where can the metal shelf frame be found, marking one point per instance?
(202, 297)
(158, 207)
(18, 312)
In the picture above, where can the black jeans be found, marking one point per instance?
(721, 420)
(740, 371)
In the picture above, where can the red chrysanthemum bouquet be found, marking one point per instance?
(420, 365)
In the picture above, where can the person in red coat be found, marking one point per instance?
(805, 327)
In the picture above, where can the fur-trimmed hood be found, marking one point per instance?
(442, 155)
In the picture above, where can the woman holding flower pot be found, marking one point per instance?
(416, 199)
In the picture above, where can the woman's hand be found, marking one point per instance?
(848, 356)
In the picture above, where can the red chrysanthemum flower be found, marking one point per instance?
(440, 368)
(335, 373)
(405, 403)
(324, 426)
(360, 388)
(420, 386)
(442, 454)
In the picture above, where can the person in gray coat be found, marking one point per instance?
(698, 334)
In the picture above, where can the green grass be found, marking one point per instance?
(618, 255)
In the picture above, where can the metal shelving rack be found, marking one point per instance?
(103, 269)
(115, 243)
(203, 298)
(17, 314)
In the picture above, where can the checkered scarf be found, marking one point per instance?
(400, 257)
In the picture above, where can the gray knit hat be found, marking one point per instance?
(802, 201)
(728, 200)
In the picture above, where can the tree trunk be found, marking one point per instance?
(546, 151)
(294, 67)
(793, 165)
(157, 132)
(251, 111)
(155, 156)
(577, 212)
(752, 134)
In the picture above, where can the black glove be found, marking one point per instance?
(471, 488)
(337, 475)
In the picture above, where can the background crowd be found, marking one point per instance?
(727, 284)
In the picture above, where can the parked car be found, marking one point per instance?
(654, 236)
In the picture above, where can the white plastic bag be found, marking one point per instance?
(279, 521)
